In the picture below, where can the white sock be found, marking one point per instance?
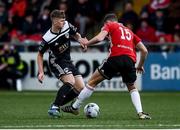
(84, 94)
(136, 100)
(19, 85)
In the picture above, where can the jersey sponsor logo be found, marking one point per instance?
(63, 48)
(125, 47)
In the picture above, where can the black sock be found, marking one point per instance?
(65, 94)
(73, 93)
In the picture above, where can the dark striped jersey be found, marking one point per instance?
(58, 44)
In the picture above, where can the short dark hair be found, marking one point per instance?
(111, 17)
(57, 14)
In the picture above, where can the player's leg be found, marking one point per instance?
(63, 72)
(79, 85)
(75, 90)
(136, 100)
(129, 77)
(61, 96)
(105, 71)
(84, 94)
(70, 89)
(95, 79)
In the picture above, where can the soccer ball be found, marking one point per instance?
(91, 110)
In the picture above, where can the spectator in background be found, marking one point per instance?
(3, 82)
(158, 22)
(3, 13)
(144, 15)
(175, 37)
(63, 5)
(166, 40)
(83, 11)
(34, 7)
(29, 31)
(18, 8)
(173, 17)
(3, 23)
(177, 40)
(50, 3)
(46, 3)
(17, 12)
(146, 32)
(13, 67)
(7, 3)
(129, 16)
(3, 33)
(44, 21)
(29, 26)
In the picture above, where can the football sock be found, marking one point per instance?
(135, 97)
(84, 94)
(73, 93)
(65, 94)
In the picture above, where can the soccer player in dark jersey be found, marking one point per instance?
(122, 58)
(57, 41)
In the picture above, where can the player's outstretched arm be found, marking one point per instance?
(40, 67)
(143, 54)
(101, 36)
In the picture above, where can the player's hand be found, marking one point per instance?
(140, 70)
(84, 48)
(83, 42)
(40, 77)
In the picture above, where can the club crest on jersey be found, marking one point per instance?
(67, 35)
(66, 70)
(56, 44)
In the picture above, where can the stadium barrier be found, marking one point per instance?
(86, 64)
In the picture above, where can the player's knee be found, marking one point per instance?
(72, 82)
(79, 87)
(92, 85)
(94, 82)
(130, 86)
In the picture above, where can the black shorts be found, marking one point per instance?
(122, 65)
(63, 67)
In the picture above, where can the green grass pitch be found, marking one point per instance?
(29, 110)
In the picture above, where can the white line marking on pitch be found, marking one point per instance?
(87, 126)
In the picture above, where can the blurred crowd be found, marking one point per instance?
(157, 22)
